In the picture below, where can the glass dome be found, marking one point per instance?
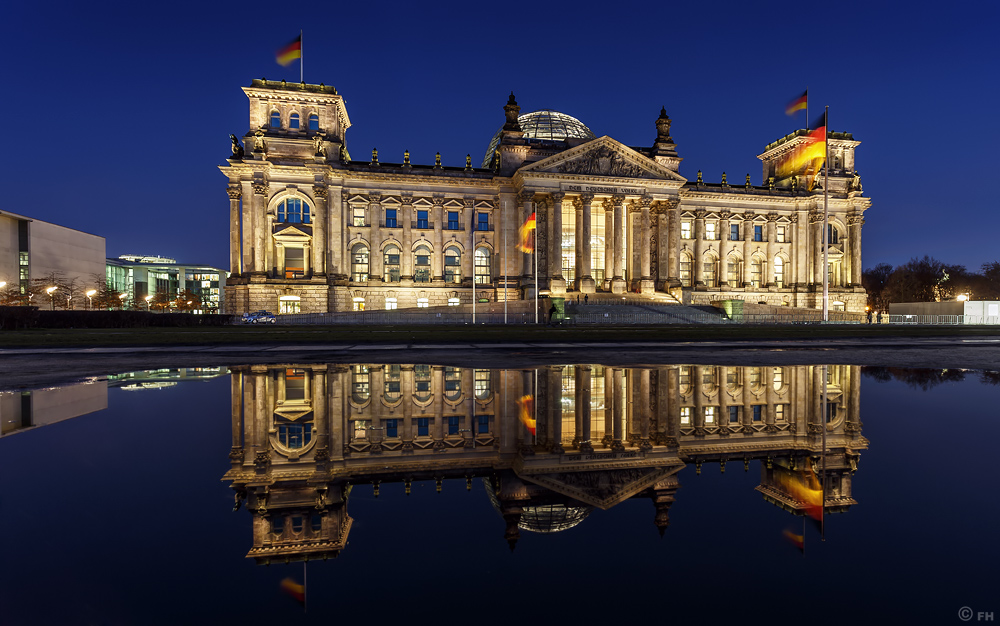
(544, 518)
(547, 125)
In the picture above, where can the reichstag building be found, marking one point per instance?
(313, 230)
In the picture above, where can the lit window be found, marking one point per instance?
(360, 429)
(482, 380)
(275, 119)
(391, 383)
(290, 306)
(758, 232)
(454, 302)
(734, 232)
(710, 231)
(422, 303)
(779, 412)
(293, 121)
(686, 229)
(422, 265)
(422, 381)
(294, 436)
(360, 383)
(780, 234)
(484, 272)
(482, 221)
(293, 211)
(390, 264)
(733, 272)
(452, 383)
(359, 304)
(779, 272)
(452, 265)
(709, 415)
(756, 272)
(358, 216)
(359, 263)
(313, 122)
(422, 221)
(685, 416)
(453, 223)
(778, 378)
(390, 218)
(685, 270)
(709, 274)
(390, 304)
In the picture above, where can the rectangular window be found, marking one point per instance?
(758, 411)
(290, 306)
(758, 232)
(734, 232)
(453, 425)
(734, 414)
(685, 416)
(685, 271)
(709, 416)
(686, 229)
(422, 303)
(359, 216)
(780, 234)
(422, 220)
(294, 262)
(390, 304)
(423, 426)
(482, 221)
(390, 218)
(710, 231)
(779, 412)
(391, 428)
(709, 275)
(453, 223)
(733, 273)
(484, 424)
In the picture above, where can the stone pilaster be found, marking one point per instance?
(437, 262)
(235, 265)
(260, 226)
(673, 213)
(854, 223)
(646, 283)
(772, 248)
(406, 214)
(558, 281)
(375, 240)
(526, 200)
(618, 280)
(584, 268)
(319, 231)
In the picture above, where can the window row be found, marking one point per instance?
(735, 274)
(733, 414)
(293, 121)
(419, 427)
(453, 219)
(781, 233)
(755, 377)
(391, 264)
(422, 380)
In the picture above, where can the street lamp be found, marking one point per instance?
(122, 297)
(50, 291)
(148, 298)
(90, 296)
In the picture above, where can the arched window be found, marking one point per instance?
(484, 271)
(275, 119)
(779, 272)
(778, 378)
(452, 265)
(452, 383)
(313, 122)
(422, 265)
(360, 383)
(391, 386)
(422, 382)
(685, 270)
(756, 272)
(293, 121)
(294, 436)
(832, 235)
(709, 274)
(733, 271)
(294, 211)
(390, 262)
(483, 384)
(359, 263)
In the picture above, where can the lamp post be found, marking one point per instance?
(68, 298)
(122, 297)
(90, 297)
(148, 298)
(52, 298)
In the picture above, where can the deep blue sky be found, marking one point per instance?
(119, 114)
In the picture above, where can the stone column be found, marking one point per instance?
(699, 403)
(697, 264)
(526, 199)
(320, 416)
(336, 230)
(319, 232)
(375, 237)
(236, 451)
(279, 252)
(583, 407)
(618, 280)
(468, 278)
(246, 257)
(618, 379)
(673, 213)
(542, 227)
(747, 247)
(406, 254)
(854, 222)
(554, 407)
(816, 419)
(558, 281)
(644, 443)
(748, 398)
(609, 242)
(437, 258)
(406, 389)
(853, 420)
(259, 226)
(723, 419)
(609, 406)
(645, 232)
(235, 265)
(578, 244)
(772, 247)
(816, 221)
(437, 394)
(584, 267)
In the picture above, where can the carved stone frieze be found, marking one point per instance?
(602, 162)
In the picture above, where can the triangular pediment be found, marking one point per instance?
(292, 230)
(603, 157)
(602, 488)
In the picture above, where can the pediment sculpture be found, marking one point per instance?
(603, 162)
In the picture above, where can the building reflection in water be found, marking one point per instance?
(303, 435)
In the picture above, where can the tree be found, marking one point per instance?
(874, 280)
(916, 281)
(188, 300)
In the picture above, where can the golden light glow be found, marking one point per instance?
(50, 290)
(91, 293)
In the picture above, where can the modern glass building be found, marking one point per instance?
(142, 276)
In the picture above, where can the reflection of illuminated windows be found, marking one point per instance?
(685, 416)
(316, 522)
(831, 411)
(734, 414)
(710, 416)
(360, 383)
(295, 436)
(360, 429)
(454, 302)
(708, 377)
(453, 422)
(755, 376)
(452, 383)
(278, 525)
(758, 412)
(484, 424)
(392, 428)
(733, 379)
(710, 231)
(391, 387)
(779, 412)
(684, 378)
(597, 403)
(482, 378)
(295, 385)
(422, 303)
(422, 382)
(779, 379)
(567, 405)
(423, 426)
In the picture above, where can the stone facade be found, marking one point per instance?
(314, 231)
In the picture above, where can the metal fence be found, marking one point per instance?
(938, 320)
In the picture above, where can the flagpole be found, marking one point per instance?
(305, 589)
(503, 226)
(822, 501)
(826, 216)
(807, 108)
(301, 74)
(536, 266)
(472, 250)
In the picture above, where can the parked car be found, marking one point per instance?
(259, 317)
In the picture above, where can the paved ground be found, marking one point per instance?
(39, 367)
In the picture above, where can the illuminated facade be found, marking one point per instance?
(313, 231)
(551, 444)
(141, 276)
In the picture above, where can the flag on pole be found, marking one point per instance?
(798, 104)
(809, 155)
(290, 52)
(295, 590)
(797, 540)
(526, 235)
(526, 409)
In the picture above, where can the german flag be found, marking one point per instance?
(295, 590)
(526, 407)
(799, 541)
(526, 235)
(290, 52)
(798, 104)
